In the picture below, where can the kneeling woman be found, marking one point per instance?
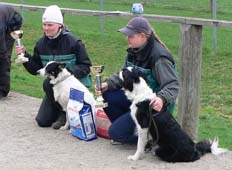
(149, 55)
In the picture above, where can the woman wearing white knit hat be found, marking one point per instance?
(57, 44)
(53, 14)
(52, 21)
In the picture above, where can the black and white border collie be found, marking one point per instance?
(62, 80)
(174, 145)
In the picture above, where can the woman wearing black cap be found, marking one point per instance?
(148, 54)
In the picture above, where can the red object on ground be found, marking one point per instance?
(102, 124)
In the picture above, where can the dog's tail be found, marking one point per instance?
(207, 146)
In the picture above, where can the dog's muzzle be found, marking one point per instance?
(41, 72)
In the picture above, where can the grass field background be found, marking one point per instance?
(109, 47)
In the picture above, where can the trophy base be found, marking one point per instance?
(21, 60)
(101, 105)
(100, 102)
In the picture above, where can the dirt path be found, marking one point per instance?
(25, 146)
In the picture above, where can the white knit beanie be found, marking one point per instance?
(53, 14)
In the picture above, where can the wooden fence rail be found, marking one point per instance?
(190, 56)
(160, 18)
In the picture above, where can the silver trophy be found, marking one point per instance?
(17, 35)
(97, 70)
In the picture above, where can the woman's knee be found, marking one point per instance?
(118, 104)
(113, 133)
(116, 97)
(43, 123)
(46, 114)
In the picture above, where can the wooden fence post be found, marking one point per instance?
(190, 53)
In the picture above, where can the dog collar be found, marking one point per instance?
(65, 77)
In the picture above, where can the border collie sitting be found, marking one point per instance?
(174, 145)
(62, 80)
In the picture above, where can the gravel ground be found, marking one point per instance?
(25, 146)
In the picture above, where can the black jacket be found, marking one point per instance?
(64, 46)
(10, 21)
(156, 59)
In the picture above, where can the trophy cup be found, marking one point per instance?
(97, 70)
(17, 35)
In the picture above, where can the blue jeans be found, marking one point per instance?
(118, 110)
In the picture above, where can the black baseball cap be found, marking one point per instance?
(136, 25)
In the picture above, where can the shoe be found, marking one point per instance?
(59, 122)
(2, 96)
(113, 142)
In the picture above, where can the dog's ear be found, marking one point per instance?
(138, 74)
(128, 84)
(126, 79)
(135, 74)
(61, 65)
(143, 76)
(130, 76)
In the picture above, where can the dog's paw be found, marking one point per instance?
(133, 157)
(63, 128)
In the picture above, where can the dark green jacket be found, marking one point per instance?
(157, 63)
(66, 48)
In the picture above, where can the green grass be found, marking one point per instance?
(108, 48)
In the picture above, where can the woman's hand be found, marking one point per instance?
(20, 50)
(157, 103)
(104, 87)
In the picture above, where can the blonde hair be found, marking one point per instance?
(156, 37)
